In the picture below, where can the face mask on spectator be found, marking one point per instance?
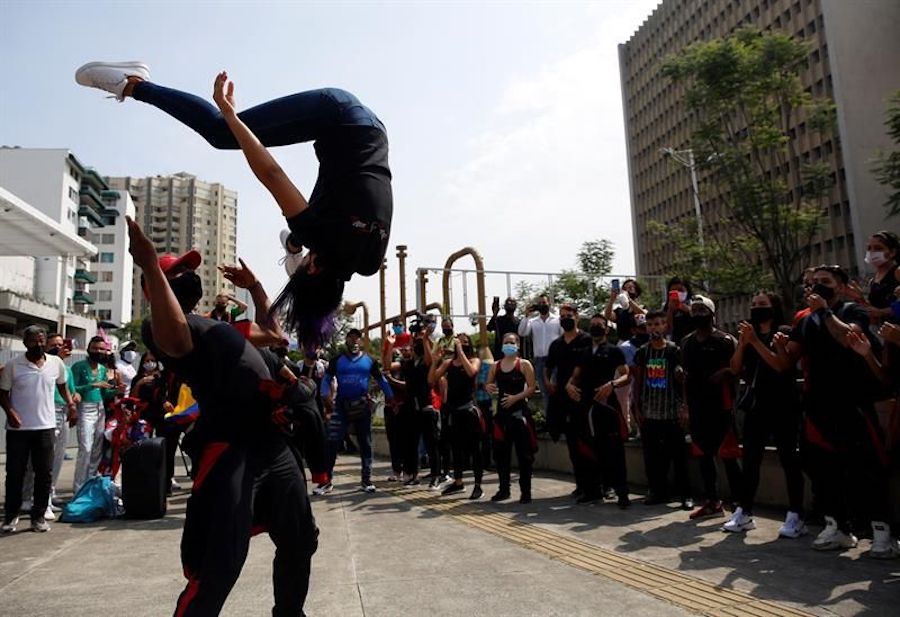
(510, 349)
(398, 329)
(682, 296)
(823, 291)
(544, 309)
(598, 331)
(876, 258)
(567, 323)
(447, 331)
(97, 356)
(53, 351)
(34, 351)
(129, 356)
(702, 321)
(149, 366)
(759, 314)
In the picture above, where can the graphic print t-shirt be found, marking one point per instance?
(661, 395)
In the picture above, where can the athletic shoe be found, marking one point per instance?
(525, 498)
(446, 478)
(52, 507)
(708, 509)
(414, 481)
(453, 488)
(26, 506)
(434, 485)
(739, 521)
(793, 526)
(402, 477)
(477, 493)
(174, 486)
(39, 525)
(10, 526)
(49, 515)
(832, 538)
(609, 494)
(883, 545)
(323, 489)
(111, 76)
(366, 486)
(392, 478)
(500, 496)
(623, 502)
(292, 258)
(687, 504)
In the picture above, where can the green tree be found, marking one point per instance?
(132, 332)
(887, 164)
(744, 97)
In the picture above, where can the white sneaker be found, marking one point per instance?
(40, 525)
(323, 489)
(291, 259)
(10, 526)
(173, 485)
(26, 506)
(831, 538)
(367, 487)
(793, 527)
(883, 545)
(739, 522)
(111, 76)
(49, 515)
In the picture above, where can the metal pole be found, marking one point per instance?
(465, 295)
(382, 298)
(693, 167)
(401, 257)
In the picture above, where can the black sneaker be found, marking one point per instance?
(623, 502)
(500, 496)
(588, 498)
(525, 498)
(412, 482)
(453, 488)
(687, 504)
(477, 493)
(434, 484)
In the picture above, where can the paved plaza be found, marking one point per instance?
(405, 551)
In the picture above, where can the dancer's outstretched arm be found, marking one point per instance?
(263, 164)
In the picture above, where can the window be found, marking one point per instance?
(107, 239)
(73, 194)
(104, 315)
(105, 295)
(107, 258)
(106, 277)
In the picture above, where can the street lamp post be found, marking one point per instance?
(686, 159)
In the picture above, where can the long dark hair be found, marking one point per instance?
(308, 305)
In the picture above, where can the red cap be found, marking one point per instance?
(191, 260)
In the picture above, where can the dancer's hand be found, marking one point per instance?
(139, 245)
(241, 276)
(223, 93)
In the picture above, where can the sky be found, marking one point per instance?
(504, 118)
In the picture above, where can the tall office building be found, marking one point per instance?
(113, 267)
(853, 60)
(179, 213)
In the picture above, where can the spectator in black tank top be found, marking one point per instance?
(512, 380)
(883, 254)
(771, 409)
(466, 424)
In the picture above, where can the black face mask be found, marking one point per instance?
(53, 351)
(188, 288)
(567, 323)
(598, 331)
(760, 314)
(639, 339)
(826, 293)
(447, 331)
(467, 350)
(702, 321)
(97, 356)
(544, 309)
(509, 308)
(34, 351)
(220, 307)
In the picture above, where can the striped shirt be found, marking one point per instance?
(660, 395)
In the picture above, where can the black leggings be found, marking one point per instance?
(663, 443)
(708, 431)
(239, 491)
(392, 429)
(430, 427)
(445, 442)
(408, 432)
(583, 453)
(781, 421)
(610, 433)
(511, 432)
(467, 433)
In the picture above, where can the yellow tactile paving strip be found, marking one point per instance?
(675, 587)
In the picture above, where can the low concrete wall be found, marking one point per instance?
(772, 491)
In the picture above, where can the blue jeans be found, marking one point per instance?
(292, 119)
(337, 431)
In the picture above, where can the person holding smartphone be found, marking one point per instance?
(91, 379)
(678, 309)
(501, 325)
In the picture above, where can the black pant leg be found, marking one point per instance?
(392, 429)
(409, 438)
(42, 463)
(445, 442)
(756, 433)
(216, 533)
(430, 422)
(487, 448)
(524, 455)
(17, 452)
(610, 445)
(787, 432)
(676, 451)
(503, 450)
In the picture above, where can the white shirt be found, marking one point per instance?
(127, 372)
(542, 332)
(31, 389)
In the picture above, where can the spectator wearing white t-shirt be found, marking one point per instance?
(27, 385)
(543, 328)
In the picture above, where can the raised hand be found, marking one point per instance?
(139, 245)
(223, 93)
(242, 276)
(858, 343)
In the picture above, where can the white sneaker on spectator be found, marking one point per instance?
(39, 525)
(883, 545)
(48, 514)
(831, 538)
(739, 522)
(367, 487)
(10, 526)
(793, 527)
(323, 489)
(110, 76)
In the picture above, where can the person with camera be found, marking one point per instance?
(599, 420)
(348, 403)
(501, 325)
(678, 309)
(709, 401)
(466, 425)
(843, 445)
(543, 328)
(771, 409)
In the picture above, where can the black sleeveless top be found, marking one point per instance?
(460, 387)
(510, 383)
(881, 293)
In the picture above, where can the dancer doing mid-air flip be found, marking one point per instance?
(345, 224)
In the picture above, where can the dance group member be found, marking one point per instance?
(246, 473)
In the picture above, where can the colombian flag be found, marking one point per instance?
(186, 409)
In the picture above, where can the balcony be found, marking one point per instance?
(83, 297)
(84, 276)
(89, 196)
(91, 214)
(92, 178)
